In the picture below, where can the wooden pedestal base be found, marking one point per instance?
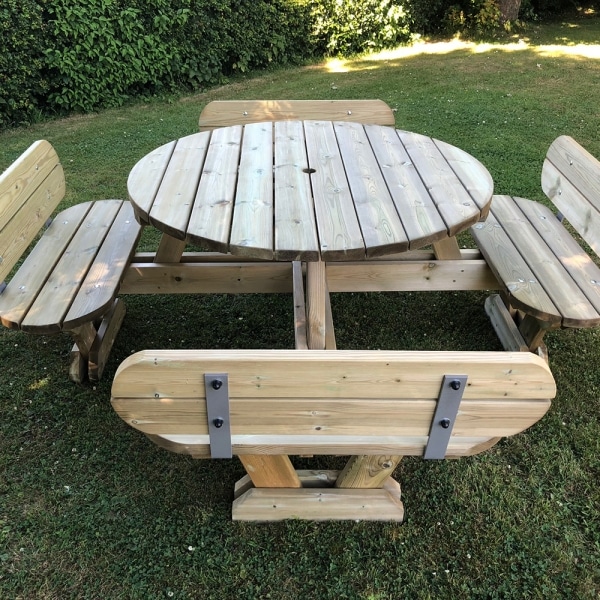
(317, 500)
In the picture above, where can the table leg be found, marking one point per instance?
(447, 249)
(316, 292)
(169, 250)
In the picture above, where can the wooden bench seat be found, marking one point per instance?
(221, 113)
(547, 279)
(376, 405)
(70, 279)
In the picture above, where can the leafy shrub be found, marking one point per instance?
(105, 51)
(348, 27)
(23, 84)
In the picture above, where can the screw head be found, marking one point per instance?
(218, 422)
(217, 384)
(455, 384)
(445, 423)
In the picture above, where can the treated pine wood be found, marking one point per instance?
(316, 292)
(504, 325)
(48, 311)
(339, 230)
(210, 221)
(580, 267)
(207, 278)
(252, 224)
(197, 446)
(230, 112)
(411, 275)
(169, 249)
(322, 402)
(353, 373)
(104, 340)
(420, 218)
(321, 504)
(453, 201)
(519, 281)
(367, 471)
(300, 333)
(570, 178)
(16, 236)
(174, 199)
(309, 478)
(146, 177)
(447, 249)
(478, 182)
(295, 227)
(29, 280)
(380, 224)
(270, 471)
(97, 290)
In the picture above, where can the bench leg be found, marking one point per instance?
(317, 500)
(367, 471)
(92, 346)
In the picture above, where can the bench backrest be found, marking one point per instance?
(239, 112)
(330, 402)
(571, 179)
(30, 190)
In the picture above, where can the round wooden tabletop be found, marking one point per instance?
(309, 190)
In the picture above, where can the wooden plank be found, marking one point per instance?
(210, 222)
(100, 285)
(309, 478)
(577, 166)
(198, 446)
(519, 281)
(418, 213)
(319, 504)
(104, 340)
(504, 325)
(339, 231)
(24, 175)
(316, 292)
(145, 179)
(174, 198)
(380, 224)
(231, 112)
(580, 267)
(48, 311)
(31, 277)
(454, 203)
(473, 175)
(300, 335)
(315, 373)
(273, 423)
(571, 304)
(365, 471)
(19, 232)
(270, 471)
(295, 225)
(578, 209)
(252, 224)
(410, 275)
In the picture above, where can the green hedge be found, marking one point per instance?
(61, 56)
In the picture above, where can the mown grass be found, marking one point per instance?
(90, 509)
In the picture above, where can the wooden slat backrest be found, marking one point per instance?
(347, 401)
(30, 190)
(221, 113)
(571, 179)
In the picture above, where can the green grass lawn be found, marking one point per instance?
(89, 508)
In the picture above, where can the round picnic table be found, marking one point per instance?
(310, 190)
(318, 192)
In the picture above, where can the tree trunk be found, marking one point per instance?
(509, 9)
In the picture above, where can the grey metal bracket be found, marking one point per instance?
(216, 386)
(451, 393)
